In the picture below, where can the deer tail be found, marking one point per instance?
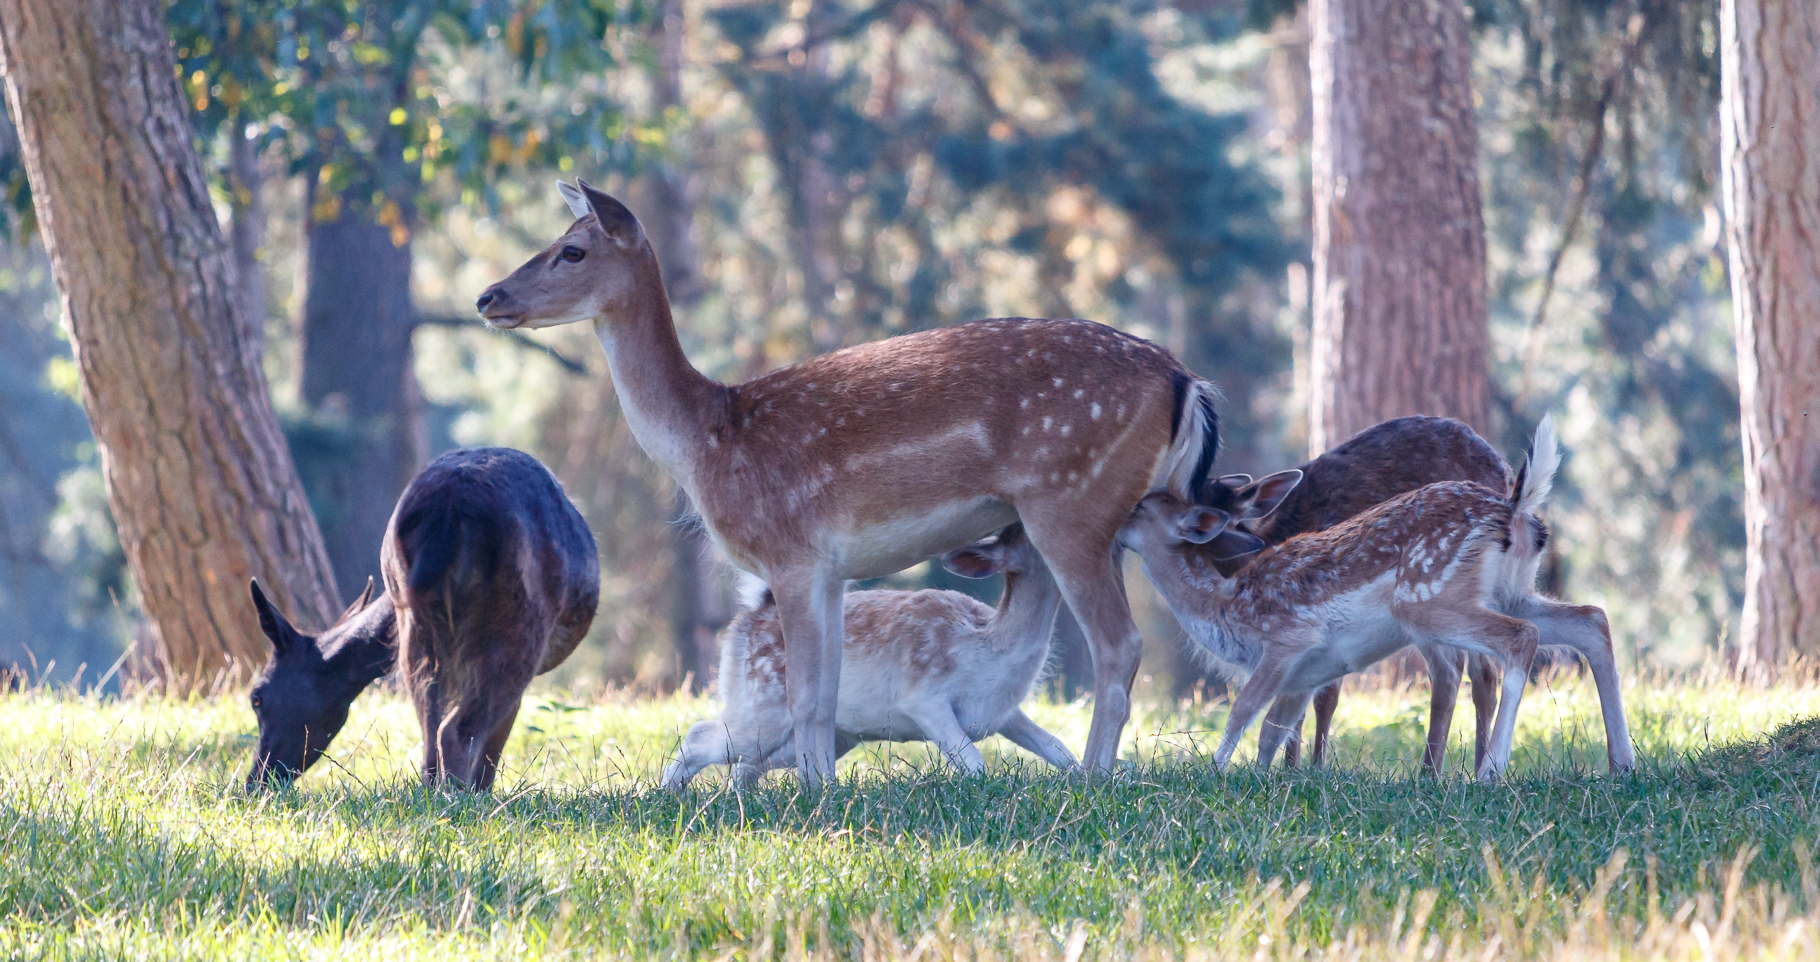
(1537, 476)
(444, 543)
(1194, 440)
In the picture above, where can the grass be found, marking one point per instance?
(123, 835)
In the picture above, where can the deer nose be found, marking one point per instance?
(490, 296)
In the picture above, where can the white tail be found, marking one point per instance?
(867, 460)
(1537, 478)
(919, 666)
(1441, 564)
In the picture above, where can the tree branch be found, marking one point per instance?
(566, 362)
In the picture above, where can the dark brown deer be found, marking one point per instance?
(1371, 467)
(301, 699)
(495, 578)
(867, 460)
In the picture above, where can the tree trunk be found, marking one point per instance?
(1400, 321)
(357, 322)
(201, 484)
(246, 231)
(672, 199)
(1770, 154)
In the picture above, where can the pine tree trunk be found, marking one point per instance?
(201, 484)
(1770, 155)
(357, 323)
(1400, 322)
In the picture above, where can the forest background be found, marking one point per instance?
(818, 173)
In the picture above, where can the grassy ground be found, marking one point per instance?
(123, 835)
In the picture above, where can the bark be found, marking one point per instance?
(1770, 155)
(1400, 323)
(357, 323)
(201, 484)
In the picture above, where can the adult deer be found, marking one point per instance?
(860, 462)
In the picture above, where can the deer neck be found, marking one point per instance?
(1190, 582)
(667, 403)
(1027, 608)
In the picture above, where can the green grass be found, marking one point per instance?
(123, 834)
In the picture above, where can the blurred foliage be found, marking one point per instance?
(852, 170)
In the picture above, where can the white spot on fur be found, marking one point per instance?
(1023, 402)
(1094, 411)
(1066, 428)
(1046, 423)
(1057, 380)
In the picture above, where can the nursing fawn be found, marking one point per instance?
(1371, 467)
(864, 461)
(1449, 564)
(932, 666)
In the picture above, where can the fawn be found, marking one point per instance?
(1452, 563)
(1371, 467)
(919, 666)
(491, 578)
(869, 459)
(495, 579)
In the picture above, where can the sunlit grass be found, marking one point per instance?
(123, 834)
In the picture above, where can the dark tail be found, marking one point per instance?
(446, 541)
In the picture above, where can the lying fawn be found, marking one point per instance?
(1452, 564)
(495, 578)
(919, 666)
(301, 699)
(867, 460)
(1371, 467)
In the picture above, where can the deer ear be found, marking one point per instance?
(1201, 524)
(978, 561)
(1235, 480)
(271, 622)
(360, 603)
(1234, 543)
(615, 218)
(1263, 495)
(572, 195)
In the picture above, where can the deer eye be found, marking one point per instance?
(572, 254)
(256, 700)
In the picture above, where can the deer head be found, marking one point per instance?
(592, 272)
(301, 698)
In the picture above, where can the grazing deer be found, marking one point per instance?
(1451, 564)
(301, 699)
(495, 579)
(1371, 467)
(933, 666)
(860, 462)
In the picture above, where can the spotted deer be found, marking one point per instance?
(933, 666)
(1452, 563)
(866, 460)
(1371, 467)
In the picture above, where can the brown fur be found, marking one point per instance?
(495, 579)
(864, 461)
(1371, 467)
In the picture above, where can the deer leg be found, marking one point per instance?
(1292, 746)
(939, 725)
(427, 699)
(1584, 629)
(1095, 590)
(1035, 739)
(1260, 690)
(1484, 676)
(707, 743)
(494, 747)
(1325, 701)
(1280, 723)
(1444, 666)
(809, 606)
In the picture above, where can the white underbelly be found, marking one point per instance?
(879, 548)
